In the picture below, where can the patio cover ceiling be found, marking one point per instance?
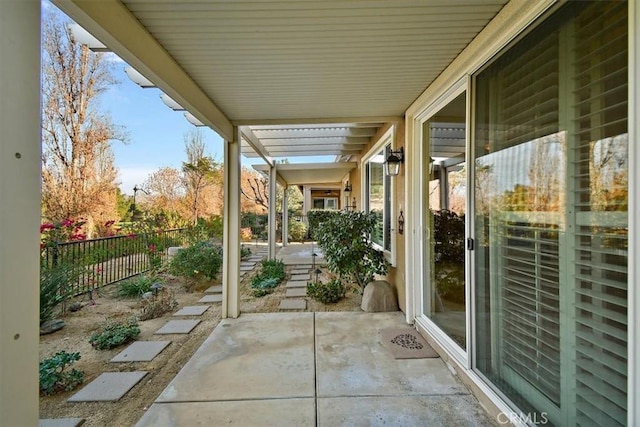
(302, 78)
(311, 173)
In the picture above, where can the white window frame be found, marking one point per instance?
(387, 139)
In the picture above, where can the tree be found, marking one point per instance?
(255, 189)
(166, 188)
(200, 171)
(78, 171)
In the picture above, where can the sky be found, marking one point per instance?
(155, 132)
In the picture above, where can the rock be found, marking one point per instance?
(75, 306)
(147, 295)
(379, 296)
(173, 250)
(50, 326)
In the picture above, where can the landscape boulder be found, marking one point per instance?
(50, 326)
(379, 296)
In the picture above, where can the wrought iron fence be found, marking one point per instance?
(109, 260)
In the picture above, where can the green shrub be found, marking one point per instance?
(297, 231)
(245, 252)
(448, 236)
(115, 334)
(270, 276)
(55, 287)
(136, 286)
(343, 238)
(202, 259)
(316, 217)
(54, 378)
(326, 293)
(158, 305)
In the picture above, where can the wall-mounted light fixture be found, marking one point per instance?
(392, 164)
(401, 223)
(347, 197)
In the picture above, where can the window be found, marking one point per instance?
(325, 203)
(550, 216)
(378, 197)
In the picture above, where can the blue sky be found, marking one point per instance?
(155, 132)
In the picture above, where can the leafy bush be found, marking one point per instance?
(115, 334)
(158, 305)
(326, 293)
(270, 276)
(316, 217)
(54, 378)
(136, 286)
(202, 259)
(297, 231)
(55, 287)
(244, 252)
(344, 242)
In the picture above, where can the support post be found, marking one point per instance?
(272, 210)
(285, 217)
(20, 215)
(231, 239)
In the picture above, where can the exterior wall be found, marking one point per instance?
(396, 274)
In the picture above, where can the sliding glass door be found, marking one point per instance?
(550, 219)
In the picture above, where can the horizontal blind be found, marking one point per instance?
(599, 171)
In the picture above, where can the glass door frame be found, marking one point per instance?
(421, 237)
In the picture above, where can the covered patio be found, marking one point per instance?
(312, 369)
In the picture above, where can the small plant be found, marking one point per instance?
(269, 277)
(54, 378)
(245, 252)
(326, 293)
(199, 260)
(158, 305)
(55, 287)
(115, 334)
(136, 286)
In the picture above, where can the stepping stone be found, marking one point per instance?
(254, 258)
(211, 298)
(192, 310)
(296, 284)
(296, 292)
(110, 386)
(215, 289)
(297, 277)
(302, 266)
(61, 422)
(300, 271)
(247, 264)
(293, 304)
(141, 351)
(178, 327)
(246, 268)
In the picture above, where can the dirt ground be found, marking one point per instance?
(80, 325)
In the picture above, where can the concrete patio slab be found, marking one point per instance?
(141, 351)
(293, 304)
(61, 422)
(456, 410)
(256, 356)
(349, 345)
(110, 386)
(192, 310)
(178, 327)
(296, 284)
(300, 254)
(255, 413)
(296, 292)
(215, 289)
(211, 298)
(298, 277)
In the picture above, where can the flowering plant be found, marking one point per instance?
(52, 233)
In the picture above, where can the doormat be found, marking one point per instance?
(406, 343)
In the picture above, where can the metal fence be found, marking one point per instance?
(110, 259)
